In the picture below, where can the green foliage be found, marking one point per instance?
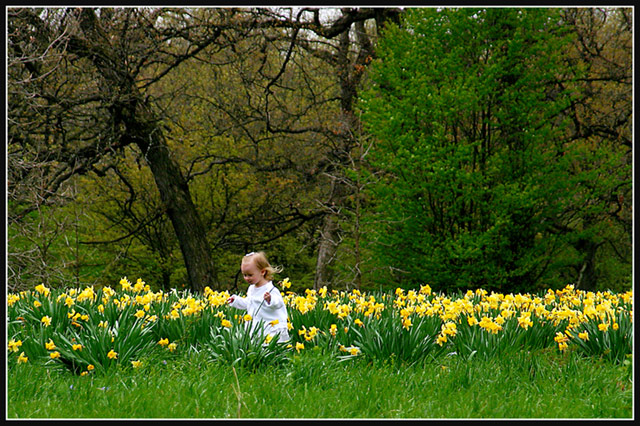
(471, 341)
(386, 339)
(475, 173)
(612, 340)
(236, 346)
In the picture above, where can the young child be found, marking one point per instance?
(263, 301)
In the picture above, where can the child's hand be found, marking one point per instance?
(267, 297)
(230, 300)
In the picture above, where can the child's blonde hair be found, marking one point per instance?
(260, 260)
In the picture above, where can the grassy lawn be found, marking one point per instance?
(314, 385)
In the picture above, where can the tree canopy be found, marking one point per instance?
(357, 146)
(483, 173)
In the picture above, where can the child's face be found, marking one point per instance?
(251, 273)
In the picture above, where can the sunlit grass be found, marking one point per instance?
(314, 385)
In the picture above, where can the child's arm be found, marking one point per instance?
(237, 302)
(274, 299)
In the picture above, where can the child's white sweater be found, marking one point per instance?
(272, 316)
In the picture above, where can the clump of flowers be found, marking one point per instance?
(93, 329)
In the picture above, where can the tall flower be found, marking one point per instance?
(333, 330)
(286, 284)
(524, 320)
(14, 345)
(124, 282)
(406, 322)
(43, 290)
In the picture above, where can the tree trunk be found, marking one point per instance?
(349, 75)
(329, 240)
(587, 279)
(143, 129)
(176, 197)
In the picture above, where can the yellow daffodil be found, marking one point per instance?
(333, 330)
(46, 320)
(561, 337)
(425, 289)
(449, 329)
(139, 286)
(136, 364)
(323, 292)
(112, 354)
(126, 285)
(22, 359)
(43, 290)
(163, 342)
(524, 320)
(12, 299)
(14, 345)
(54, 355)
(406, 323)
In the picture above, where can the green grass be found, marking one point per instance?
(540, 384)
